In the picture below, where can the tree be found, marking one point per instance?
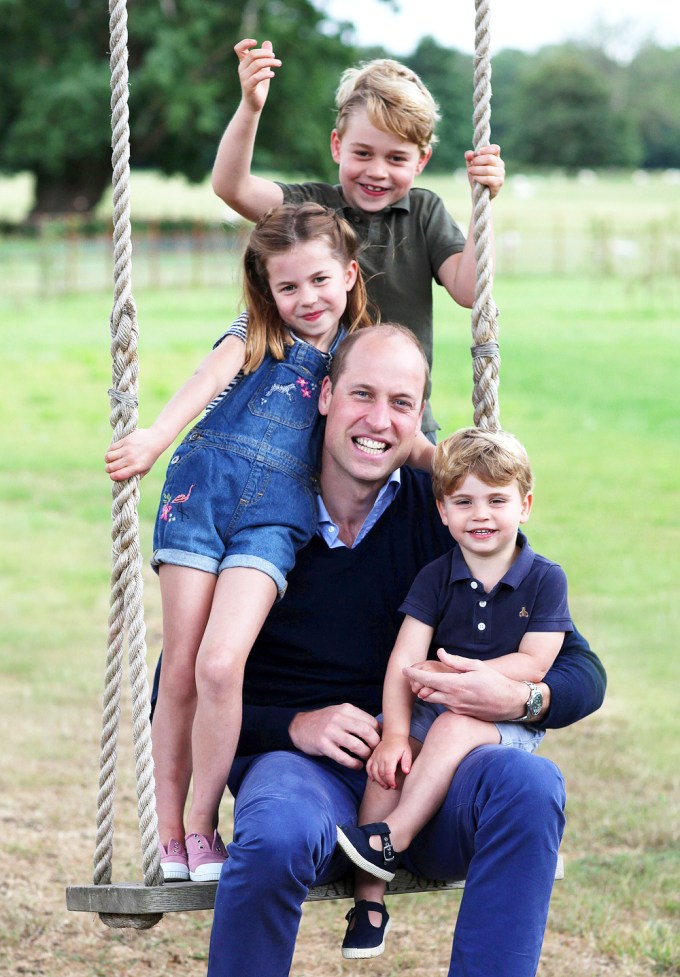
(448, 75)
(55, 96)
(652, 93)
(564, 114)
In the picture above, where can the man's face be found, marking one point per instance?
(376, 168)
(373, 411)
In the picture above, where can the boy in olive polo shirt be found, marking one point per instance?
(382, 140)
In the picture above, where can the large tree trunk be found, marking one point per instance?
(77, 191)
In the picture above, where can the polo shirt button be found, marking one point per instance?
(481, 626)
(482, 603)
(474, 584)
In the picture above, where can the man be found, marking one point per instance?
(312, 689)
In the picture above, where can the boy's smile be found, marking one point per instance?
(376, 168)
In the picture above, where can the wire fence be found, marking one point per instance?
(54, 261)
(57, 259)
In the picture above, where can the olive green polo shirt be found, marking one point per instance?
(403, 248)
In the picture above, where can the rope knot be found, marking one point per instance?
(485, 349)
(120, 397)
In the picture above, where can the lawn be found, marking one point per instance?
(589, 383)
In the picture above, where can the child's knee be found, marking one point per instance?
(218, 676)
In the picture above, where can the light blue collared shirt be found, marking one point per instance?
(328, 530)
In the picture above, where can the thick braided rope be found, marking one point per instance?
(126, 616)
(485, 354)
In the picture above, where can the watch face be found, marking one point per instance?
(535, 703)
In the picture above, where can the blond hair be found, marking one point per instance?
(495, 457)
(279, 230)
(394, 98)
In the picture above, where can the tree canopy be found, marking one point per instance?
(569, 106)
(55, 96)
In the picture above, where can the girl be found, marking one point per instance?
(237, 504)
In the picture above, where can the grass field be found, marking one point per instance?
(604, 225)
(589, 382)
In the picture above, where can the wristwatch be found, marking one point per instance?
(534, 704)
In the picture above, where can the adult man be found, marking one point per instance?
(312, 689)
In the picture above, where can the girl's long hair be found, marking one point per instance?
(278, 231)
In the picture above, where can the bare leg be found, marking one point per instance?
(377, 805)
(186, 598)
(449, 740)
(243, 597)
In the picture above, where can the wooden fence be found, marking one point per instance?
(58, 259)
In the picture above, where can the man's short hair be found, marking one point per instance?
(394, 98)
(494, 457)
(383, 330)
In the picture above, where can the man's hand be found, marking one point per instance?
(468, 687)
(486, 167)
(255, 71)
(342, 733)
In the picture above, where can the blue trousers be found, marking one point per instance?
(500, 828)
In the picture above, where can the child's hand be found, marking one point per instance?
(486, 167)
(391, 754)
(255, 71)
(132, 455)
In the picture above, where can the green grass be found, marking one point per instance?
(589, 383)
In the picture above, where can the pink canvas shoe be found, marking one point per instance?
(174, 861)
(205, 857)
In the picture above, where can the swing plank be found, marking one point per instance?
(134, 898)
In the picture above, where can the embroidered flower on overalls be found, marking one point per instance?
(304, 387)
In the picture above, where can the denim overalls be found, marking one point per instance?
(240, 488)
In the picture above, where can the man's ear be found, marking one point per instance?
(335, 146)
(325, 395)
(424, 160)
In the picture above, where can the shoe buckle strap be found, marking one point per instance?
(388, 850)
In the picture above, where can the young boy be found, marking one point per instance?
(382, 140)
(491, 598)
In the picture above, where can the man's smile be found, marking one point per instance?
(370, 446)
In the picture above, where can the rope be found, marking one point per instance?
(485, 355)
(126, 616)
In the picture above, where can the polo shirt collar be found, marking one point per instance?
(515, 575)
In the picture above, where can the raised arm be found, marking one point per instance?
(136, 453)
(458, 273)
(232, 180)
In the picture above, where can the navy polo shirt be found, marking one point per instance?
(532, 596)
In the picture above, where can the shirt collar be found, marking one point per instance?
(515, 575)
(328, 530)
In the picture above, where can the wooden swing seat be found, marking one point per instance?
(134, 898)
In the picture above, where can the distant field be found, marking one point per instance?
(589, 381)
(623, 225)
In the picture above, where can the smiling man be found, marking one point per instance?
(313, 687)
